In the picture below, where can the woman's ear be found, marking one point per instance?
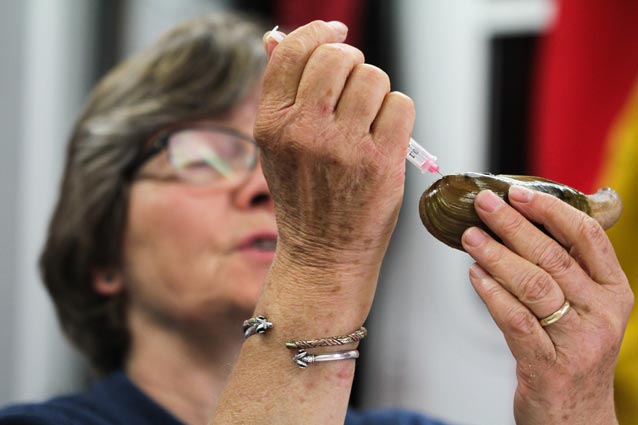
(108, 282)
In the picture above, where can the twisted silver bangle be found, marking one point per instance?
(303, 359)
(355, 336)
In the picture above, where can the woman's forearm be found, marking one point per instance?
(333, 140)
(266, 386)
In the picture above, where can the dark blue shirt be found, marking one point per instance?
(116, 400)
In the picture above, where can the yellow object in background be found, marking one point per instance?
(585, 134)
(621, 173)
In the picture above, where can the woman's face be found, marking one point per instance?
(196, 253)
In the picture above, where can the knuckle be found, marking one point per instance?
(402, 98)
(373, 75)
(614, 270)
(492, 254)
(328, 52)
(331, 53)
(492, 292)
(540, 253)
(512, 225)
(545, 356)
(614, 338)
(608, 340)
(330, 49)
(405, 104)
(356, 54)
(625, 299)
(263, 130)
(592, 231)
(553, 258)
(319, 24)
(608, 330)
(607, 345)
(317, 28)
(289, 52)
(521, 321)
(260, 132)
(535, 286)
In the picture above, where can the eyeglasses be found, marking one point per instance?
(204, 154)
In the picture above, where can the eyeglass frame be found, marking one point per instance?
(162, 139)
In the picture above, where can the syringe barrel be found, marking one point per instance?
(421, 158)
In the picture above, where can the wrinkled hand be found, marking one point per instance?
(333, 141)
(564, 370)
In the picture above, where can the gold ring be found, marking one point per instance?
(556, 316)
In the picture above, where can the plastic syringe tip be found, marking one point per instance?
(430, 166)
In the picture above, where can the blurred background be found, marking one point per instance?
(505, 86)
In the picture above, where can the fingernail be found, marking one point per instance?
(474, 236)
(275, 35)
(520, 194)
(489, 201)
(340, 27)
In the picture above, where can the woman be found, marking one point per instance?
(165, 233)
(155, 257)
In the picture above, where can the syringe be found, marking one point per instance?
(421, 158)
(417, 155)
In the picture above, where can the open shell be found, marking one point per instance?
(447, 207)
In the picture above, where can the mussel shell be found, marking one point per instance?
(447, 207)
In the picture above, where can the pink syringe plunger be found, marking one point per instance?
(421, 158)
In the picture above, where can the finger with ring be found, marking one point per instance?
(556, 316)
(534, 287)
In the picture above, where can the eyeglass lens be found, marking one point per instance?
(206, 155)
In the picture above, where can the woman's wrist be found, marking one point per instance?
(317, 262)
(319, 301)
(568, 407)
(303, 302)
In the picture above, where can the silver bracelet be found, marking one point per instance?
(256, 325)
(303, 359)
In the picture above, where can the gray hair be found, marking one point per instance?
(200, 69)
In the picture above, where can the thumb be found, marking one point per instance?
(271, 39)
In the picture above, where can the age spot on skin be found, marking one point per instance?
(344, 373)
(589, 396)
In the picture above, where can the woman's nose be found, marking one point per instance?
(254, 193)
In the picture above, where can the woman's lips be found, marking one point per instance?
(260, 245)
